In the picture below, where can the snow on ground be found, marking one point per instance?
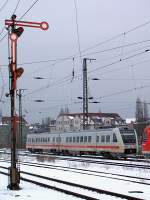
(93, 181)
(30, 192)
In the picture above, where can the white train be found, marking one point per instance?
(108, 141)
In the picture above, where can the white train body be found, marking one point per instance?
(109, 140)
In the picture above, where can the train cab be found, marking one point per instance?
(146, 142)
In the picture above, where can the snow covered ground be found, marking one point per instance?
(30, 191)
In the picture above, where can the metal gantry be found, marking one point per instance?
(14, 72)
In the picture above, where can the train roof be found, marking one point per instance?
(77, 132)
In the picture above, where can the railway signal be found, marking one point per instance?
(15, 30)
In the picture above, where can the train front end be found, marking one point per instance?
(146, 142)
(129, 139)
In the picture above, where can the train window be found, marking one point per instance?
(70, 139)
(78, 139)
(57, 139)
(74, 139)
(36, 139)
(81, 139)
(53, 139)
(66, 139)
(32, 140)
(48, 139)
(128, 138)
(85, 138)
(97, 138)
(107, 138)
(114, 137)
(89, 138)
(103, 138)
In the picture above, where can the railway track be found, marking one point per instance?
(114, 176)
(126, 178)
(97, 160)
(91, 192)
(93, 161)
(133, 179)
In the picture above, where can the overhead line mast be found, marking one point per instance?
(85, 93)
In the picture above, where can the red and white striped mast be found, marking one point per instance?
(14, 34)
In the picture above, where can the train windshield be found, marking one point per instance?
(128, 135)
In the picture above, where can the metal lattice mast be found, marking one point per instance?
(85, 95)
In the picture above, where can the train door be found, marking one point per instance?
(97, 138)
(58, 143)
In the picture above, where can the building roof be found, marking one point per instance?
(98, 114)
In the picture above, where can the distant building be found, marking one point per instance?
(74, 121)
(7, 120)
(5, 133)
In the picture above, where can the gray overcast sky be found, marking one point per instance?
(124, 72)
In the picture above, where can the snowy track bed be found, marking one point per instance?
(76, 190)
(137, 190)
(30, 191)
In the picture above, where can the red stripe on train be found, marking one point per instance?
(76, 146)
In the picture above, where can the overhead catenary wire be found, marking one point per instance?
(3, 6)
(124, 91)
(98, 68)
(120, 60)
(77, 29)
(101, 61)
(33, 4)
(102, 97)
(54, 61)
(17, 5)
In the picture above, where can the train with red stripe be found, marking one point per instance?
(104, 141)
(146, 142)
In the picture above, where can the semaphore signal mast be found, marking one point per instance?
(15, 73)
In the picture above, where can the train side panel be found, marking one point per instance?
(84, 142)
(146, 142)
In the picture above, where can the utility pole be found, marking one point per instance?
(20, 117)
(85, 93)
(14, 33)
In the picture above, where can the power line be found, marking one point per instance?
(65, 79)
(117, 36)
(70, 58)
(77, 26)
(3, 6)
(124, 91)
(16, 6)
(118, 61)
(117, 47)
(29, 9)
